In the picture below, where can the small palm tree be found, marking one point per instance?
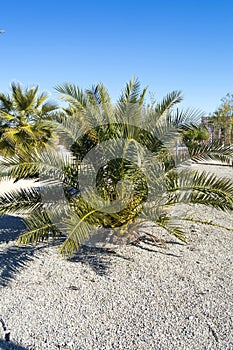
(121, 171)
(22, 124)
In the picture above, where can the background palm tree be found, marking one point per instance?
(23, 123)
(121, 171)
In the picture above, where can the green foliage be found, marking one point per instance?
(222, 121)
(195, 134)
(121, 172)
(22, 120)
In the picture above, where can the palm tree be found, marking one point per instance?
(23, 123)
(121, 170)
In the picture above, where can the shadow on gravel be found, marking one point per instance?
(10, 228)
(99, 259)
(157, 251)
(10, 346)
(173, 242)
(152, 245)
(13, 258)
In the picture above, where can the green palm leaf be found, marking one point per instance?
(78, 230)
(168, 102)
(203, 188)
(210, 152)
(20, 201)
(39, 228)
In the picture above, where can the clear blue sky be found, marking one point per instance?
(168, 45)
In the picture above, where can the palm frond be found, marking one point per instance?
(41, 99)
(211, 151)
(93, 95)
(6, 103)
(20, 201)
(168, 102)
(48, 107)
(30, 97)
(28, 130)
(154, 212)
(200, 188)
(69, 130)
(10, 137)
(78, 230)
(131, 92)
(185, 117)
(73, 95)
(48, 164)
(23, 100)
(130, 100)
(39, 228)
(5, 115)
(172, 226)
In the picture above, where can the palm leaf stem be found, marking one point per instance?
(210, 223)
(203, 189)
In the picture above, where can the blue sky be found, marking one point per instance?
(169, 45)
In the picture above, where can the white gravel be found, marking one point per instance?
(144, 297)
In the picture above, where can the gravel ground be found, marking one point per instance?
(140, 297)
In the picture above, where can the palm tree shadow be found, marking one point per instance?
(10, 346)
(13, 258)
(152, 246)
(152, 250)
(10, 228)
(99, 259)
